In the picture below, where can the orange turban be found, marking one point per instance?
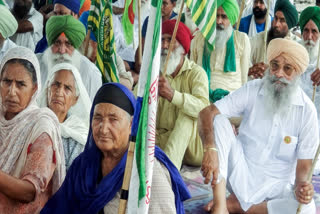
(292, 51)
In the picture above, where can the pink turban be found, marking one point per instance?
(292, 51)
(183, 33)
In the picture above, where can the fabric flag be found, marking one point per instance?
(144, 121)
(101, 24)
(204, 13)
(128, 20)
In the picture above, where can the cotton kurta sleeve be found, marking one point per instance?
(245, 60)
(192, 103)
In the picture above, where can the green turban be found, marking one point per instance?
(310, 13)
(8, 24)
(231, 8)
(71, 27)
(289, 11)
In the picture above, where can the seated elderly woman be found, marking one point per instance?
(94, 179)
(65, 94)
(31, 162)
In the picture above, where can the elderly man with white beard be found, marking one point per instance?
(183, 93)
(227, 66)
(266, 165)
(310, 25)
(65, 34)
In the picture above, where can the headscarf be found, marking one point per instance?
(183, 33)
(80, 192)
(289, 11)
(231, 8)
(295, 53)
(70, 26)
(73, 5)
(18, 133)
(310, 13)
(8, 24)
(76, 125)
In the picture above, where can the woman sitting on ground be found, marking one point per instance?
(31, 162)
(65, 94)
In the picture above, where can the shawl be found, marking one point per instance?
(253, 28)
(76, 126)
(22, 130)
(80, 192)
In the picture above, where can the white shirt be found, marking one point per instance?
(30, 39)
(90, 74)
(269, 158)
(7, 45)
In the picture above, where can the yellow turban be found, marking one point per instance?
(292, 51)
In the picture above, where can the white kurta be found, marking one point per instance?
(258, 164)
(7, 45)
(30, 39)
(257, 46)
(89, 72)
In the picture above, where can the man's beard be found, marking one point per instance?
(222, 35)
(273, 34)
(174, 60)
(278, 93)
(258, 13)
(21, 10)
(54, 59)
(312, 48)
(190, 24)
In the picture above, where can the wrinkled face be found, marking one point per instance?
(279, 24)
(111, 127)
(222, 19)
(167, 7)
(310, 32)
(62, 92)
(60, 10)
(16, 89)
(281, 68)
(62, 46)
(165, 43)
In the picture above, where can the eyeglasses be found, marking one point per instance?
(288, 69)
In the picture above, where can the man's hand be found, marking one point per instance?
(210, 166)
(165, 89)
(304, 192)
(257, 70)
(315, 77)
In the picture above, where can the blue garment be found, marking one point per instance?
(73, 5)
(245, 25)
(81, 192)
(84, 19)
(145, 24)
(42, 45)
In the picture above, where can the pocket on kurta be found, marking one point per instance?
(287, 149)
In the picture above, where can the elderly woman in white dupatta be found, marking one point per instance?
(65, 94)
(31, 154)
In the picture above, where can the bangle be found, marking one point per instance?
(210, 148)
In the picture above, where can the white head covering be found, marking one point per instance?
(76, 125)
(24, 129)
(8, 24)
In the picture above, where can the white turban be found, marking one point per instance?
(293, 52)
(8, 24)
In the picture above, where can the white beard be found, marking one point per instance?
(174, 60)
(53, 59)
(279, 96)
(312, 48)
(222, 36)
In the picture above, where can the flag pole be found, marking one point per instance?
(140, 33)
(124, 193)
(318, 66)
(86, 42)
(241, 11)
(173, 39)
(266, 31)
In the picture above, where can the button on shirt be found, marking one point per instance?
(272, 144)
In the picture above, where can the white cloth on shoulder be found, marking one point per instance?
(253, 29)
